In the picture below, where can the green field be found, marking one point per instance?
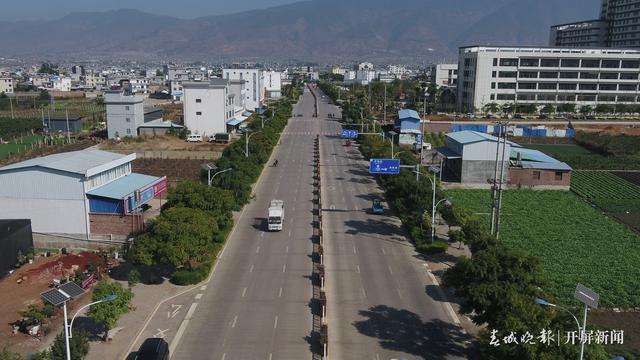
(22, 144)
(581, 158)
(603, 185)
(575, 242)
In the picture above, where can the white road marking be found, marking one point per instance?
(251, 269)
(275, 324)
(358, 269)
(258, 249)
(203, 287)
(354, 249)
(224, 356)
(384, 252)
(161, 333)
(447, 305)
(286, 249)
(198, 296)
(270, 356)
(284, 267)
(289, 233)
(399, 293)
(235, 320)
(364, 293)
(390, 269)
(182, 328)
(280, 293)
(244, 292)
(262, 234)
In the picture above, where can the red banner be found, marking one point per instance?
(89, 280)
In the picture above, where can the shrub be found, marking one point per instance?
(133, 277)
(78, 344)
(107, 313)
(191, 276)
(437, 247)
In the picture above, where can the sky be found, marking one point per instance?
(52, 9)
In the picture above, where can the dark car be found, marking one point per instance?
(153, 349)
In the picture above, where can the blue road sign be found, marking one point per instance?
(349, 134)
(384, 166)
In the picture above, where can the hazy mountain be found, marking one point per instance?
(323, 30)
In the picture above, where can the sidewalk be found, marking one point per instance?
(133, 321)
(437, 264)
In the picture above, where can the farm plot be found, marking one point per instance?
(574, 242)
(613, 194)
(630, 176)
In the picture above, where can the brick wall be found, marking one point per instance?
(547, 178)
(114, 224)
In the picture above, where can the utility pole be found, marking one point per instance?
(11, 105)
(494, 185)
(68, 132)
(384, 119)
(502, 173)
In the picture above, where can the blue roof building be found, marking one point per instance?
(78, 194)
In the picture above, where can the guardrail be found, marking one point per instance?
(320, 327)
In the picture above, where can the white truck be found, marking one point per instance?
(276, 215)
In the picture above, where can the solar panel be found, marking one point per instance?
(54, 297)
(72, 289)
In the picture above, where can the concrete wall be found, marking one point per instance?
(114, 224)
(481, 171)
(484, 151)
(547, 178)
(75, 242)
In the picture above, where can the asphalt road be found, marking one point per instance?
(257, 305)
(381, 302)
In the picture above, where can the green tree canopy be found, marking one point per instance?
(178, 237)
(216, 202)
(78, 344)
(109, 312)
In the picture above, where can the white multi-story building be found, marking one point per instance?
(139, 85)
(95, 81)
(444, 74)
(6, 85)
(61, 83)
(397, 70)
(338, 70)
(349, 76)
(208, 105)
(125, 113)
(273, 84)
(255, 88)
(546, 76)
(365, 66)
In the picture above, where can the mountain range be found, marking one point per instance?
(414, 31)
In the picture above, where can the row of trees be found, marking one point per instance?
(569, 108)
(497, 285)
(196, 219)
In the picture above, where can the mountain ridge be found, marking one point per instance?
(410, 31)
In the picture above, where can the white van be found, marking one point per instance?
(194, 138)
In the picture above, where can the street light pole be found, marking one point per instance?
(247, 136)
(210, 178)
(105, 299)
(66, 331)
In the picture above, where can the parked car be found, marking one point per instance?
(153, 349)
(377, 207)
(194, 138)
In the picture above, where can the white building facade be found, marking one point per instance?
(273, 84)
(6, 85)
(125, 113)
(208, 106)
(255, 87)
(445, 75)
(546, 76)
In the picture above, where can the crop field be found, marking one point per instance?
(18, 145)
(603, 185)
(630, 176)
(575, 242)
(581, 158)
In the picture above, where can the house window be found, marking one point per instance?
(558, 175)
(536, 175)
(127, 108)
(198, 112)
(128, 119)
(128, 131)
(198, 100)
